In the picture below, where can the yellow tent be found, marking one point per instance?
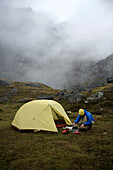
(40, 115)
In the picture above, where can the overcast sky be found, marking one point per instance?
(65, 9)
(90, 18)
(58, 32)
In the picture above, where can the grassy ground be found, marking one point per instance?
(46, 150)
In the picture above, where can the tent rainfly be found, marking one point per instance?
(40, 115)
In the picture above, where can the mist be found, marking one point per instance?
(38, 45)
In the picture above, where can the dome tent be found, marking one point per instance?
(40, 115)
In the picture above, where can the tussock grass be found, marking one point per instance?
(91, 149)
(48, 150)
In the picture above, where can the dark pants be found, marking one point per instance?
(84, 120)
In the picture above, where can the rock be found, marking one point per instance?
(8, 95)
(100, 94)
(75, 95)
(62, 95)
(4, 82)
(47, 97)
(72, 97)
(14, 90)
(69, 112)
(4, 99)
(79, 97)
(95, 96)
(91, 98)
(110, 80)
(101, 109)
(24, 100)
(33, 85)
(105, 133)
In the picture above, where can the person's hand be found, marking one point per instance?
(74, 124)
(82, 125)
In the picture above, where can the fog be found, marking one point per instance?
(42, 41)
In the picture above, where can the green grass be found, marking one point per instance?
(48, 150)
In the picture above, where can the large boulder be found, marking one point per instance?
(72, 97)
(62, 95)
(79, 97)
(75, 97)
(95, 96)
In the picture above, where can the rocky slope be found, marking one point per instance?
(90, 74)
(101, 71)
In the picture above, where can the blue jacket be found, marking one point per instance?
(89, 118)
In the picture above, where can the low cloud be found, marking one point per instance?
(33, 47)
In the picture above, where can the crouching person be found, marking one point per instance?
(84, 119)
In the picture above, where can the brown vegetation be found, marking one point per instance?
(46, 150)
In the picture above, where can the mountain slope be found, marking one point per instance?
(101, 71)
(90, 74)
(13, 91)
